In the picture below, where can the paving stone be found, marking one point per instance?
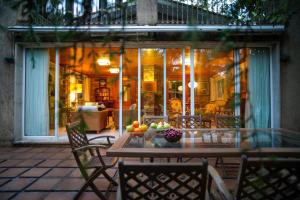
(70, 184)
(44, 184)
(23, 156)
(60, 196)
(101, 183)
(59, 172)
(38, 150)
(35, 172)
(31, 196)
(49, 163)
(13, 172)
(10, 163)
(67, 163)
(90, 196)
(59, 156)
(29, 163)
(43, 155)
(6, 195)
(16, 184)
(21, 149)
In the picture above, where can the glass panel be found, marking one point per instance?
(174, 84)
(39, 92)
(130, 89)
(89, 88)
(187, 80)
(152, 82)
(255, 88)
(214, 82)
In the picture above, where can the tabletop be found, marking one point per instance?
(210, 143)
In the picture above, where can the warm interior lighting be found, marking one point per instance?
(195, 84)
(103, 62)
(114, 70)
(76, 88)
(179, 88)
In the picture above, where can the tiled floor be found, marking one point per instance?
(47, 173)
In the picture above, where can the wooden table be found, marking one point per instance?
(210, 143)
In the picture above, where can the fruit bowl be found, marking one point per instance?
(172, 135)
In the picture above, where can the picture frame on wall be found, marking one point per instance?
(203, 88)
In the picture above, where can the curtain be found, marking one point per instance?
(258, 101)
(36, 92)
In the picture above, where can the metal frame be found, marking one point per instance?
(274, 73)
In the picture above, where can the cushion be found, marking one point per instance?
(87, 108)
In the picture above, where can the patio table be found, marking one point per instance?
(210, 143)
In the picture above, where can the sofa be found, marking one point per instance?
(94, 120)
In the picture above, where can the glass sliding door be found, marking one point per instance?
(255, 88)
(39, 92)
(129, 86)
(152, 85)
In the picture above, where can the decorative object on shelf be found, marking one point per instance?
(102, 82)
(172, 135)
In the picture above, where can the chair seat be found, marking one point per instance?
(95, 162)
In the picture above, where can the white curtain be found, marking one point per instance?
(258, 108)
(36, 92)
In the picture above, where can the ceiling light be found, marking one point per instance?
(103, 62)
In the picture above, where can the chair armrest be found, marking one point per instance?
(87, 147)
(220, 185)
(103, 136)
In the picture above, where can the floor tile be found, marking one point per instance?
(23, 155)
(29, 163)
(70, 184)
(60, 196)
(44, 184)
(17, 184)
(59, 172)
(35, 172)
(10, 163)
(60, 156)
(102, 184)
(4, 180)
(13, 172)
(67, 163)
(31, 196)
(6, 195)
(49, 163)
(44, 155)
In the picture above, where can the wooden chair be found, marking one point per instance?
(226, 121)
(189, 121)
(266, 178)
(88, 157)
(148, 119)
(164, 181)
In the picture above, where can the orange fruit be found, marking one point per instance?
(137, 129)
(135, 124)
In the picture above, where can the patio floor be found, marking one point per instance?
(48, 173)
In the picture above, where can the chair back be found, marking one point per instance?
(163, 181)
(227, 121)
(189, 121)
(148, 119)
(269, 178)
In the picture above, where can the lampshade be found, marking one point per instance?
(114, 70)
(103, 62)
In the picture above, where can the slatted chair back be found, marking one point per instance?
(227, 121)
(269, 178)
(163, 181)
(77, 138)
(148, 119)
(189, 121)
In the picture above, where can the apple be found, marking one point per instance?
(160, 126)
(153, 125)
(144, 127)
(129, 128)
(166, 126)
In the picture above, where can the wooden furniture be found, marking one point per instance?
(266, 178)
(102, 94)
(88, 157)
(189, 121)
(211, 143)
(94, 120)
(148, 119)
(165, 181)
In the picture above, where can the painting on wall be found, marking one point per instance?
(203, 88)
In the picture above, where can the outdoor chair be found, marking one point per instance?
(88, 157)
(165, 181)
(148, 119)
(189, 121)
(226, 121)
(263, 179)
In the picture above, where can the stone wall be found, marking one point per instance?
(7, 17)
(290, 73)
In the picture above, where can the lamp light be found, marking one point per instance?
(195, 84)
